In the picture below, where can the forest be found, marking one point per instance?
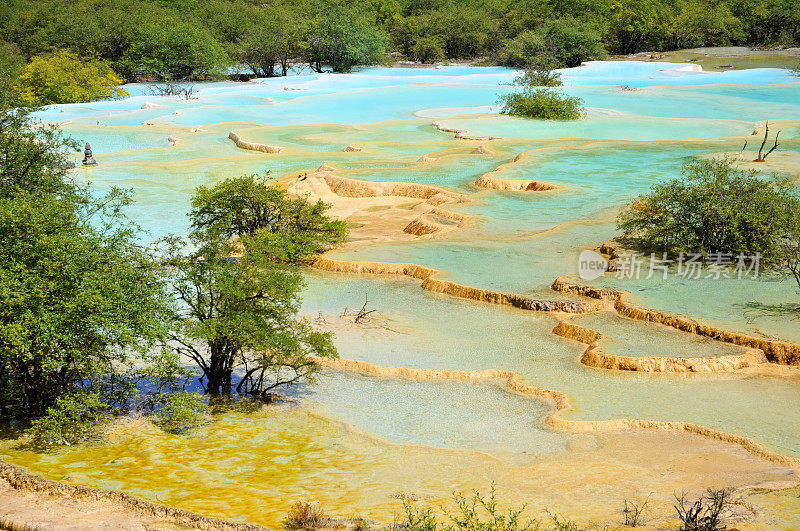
(192, 39)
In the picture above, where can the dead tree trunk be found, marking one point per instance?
(762, 157)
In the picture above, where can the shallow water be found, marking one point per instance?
(517, 242)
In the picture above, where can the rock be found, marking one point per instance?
(149, 105)
(88, 159)
(351, 147)
(325, 167)
(175, 140)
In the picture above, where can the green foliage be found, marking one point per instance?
(566, 42)
(240, 297)
(64, 78)
(292, 230)
(175, 51)
(428, 50)
(79, 298)
(74, 418)
(181, 411)
(343, 38)
(183, 39)
(12, 64)
(274, 42)
(476, 513)
(714, 207)
(543, 103)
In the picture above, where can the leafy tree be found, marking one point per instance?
(80, 300)
(534, 101)
(714, 207)
(343, 38)
(294, 228)
(174, 51)
(273, 42)
(12, 64)
(32, 158)
(65, 78)
(240, 296)
(428, 50)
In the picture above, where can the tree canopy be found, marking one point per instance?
(65, 78)
(714, 208)
(148, 39)
(240, 289)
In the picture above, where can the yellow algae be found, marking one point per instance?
(253, 467)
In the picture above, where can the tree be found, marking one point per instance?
(294, 228)
(565, 42)
(713, 208)
(12, 64)
(175, 51)
(65, 78)
(82, 304)
(79, 298)
(273, 41)
(428, 50)
(343, 38)
(240, 289)
(534, 101)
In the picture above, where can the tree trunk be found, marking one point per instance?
(220, 372)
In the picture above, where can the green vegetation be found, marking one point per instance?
(185, 40)
(714, 208)
(181, 411)
(64, 78)
(239, 297)
(73, 418)
(537, 98)
(87, 313)
(477, 513)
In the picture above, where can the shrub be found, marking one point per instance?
(474, 513)
(704, 514)
(714, 208)
(544, 103)
(180, 412)
(65, 78)
(305, 516)
(74, 418)
(428, 50)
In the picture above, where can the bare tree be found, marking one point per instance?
(704, 514)
(762, 157)
(172, 88)
(632, 512)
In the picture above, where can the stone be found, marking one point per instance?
(88, 159)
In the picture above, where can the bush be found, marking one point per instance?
(74, 418)
(544, 103)
(65, 78)
(305, 516)
(713, 208)
(180, 412)
(704, 514)
(428, 50)
(474, 513)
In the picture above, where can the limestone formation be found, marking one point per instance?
(513, 185)
(351, 147)
(514, 382)
(243, 144)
